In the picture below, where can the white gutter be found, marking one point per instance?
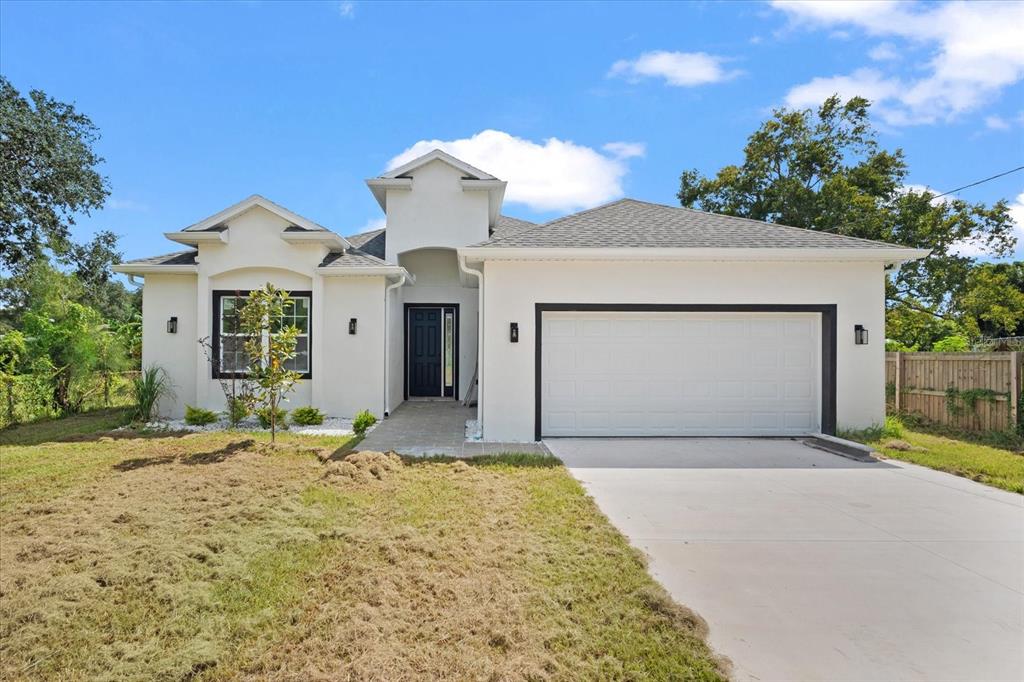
(479, 340)
(387, 342)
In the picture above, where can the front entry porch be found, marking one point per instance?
(435, 428)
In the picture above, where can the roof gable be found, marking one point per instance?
(469, 171)
(214, 222)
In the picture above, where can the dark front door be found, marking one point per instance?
(425, 346)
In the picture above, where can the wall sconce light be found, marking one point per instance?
(352, 325)
(860, 335)
(172, 325)
(513, 332)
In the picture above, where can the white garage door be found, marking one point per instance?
(680, 374)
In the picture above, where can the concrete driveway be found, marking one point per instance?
(809, 566)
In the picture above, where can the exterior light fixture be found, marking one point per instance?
(352, 325)
(513, 332)
(860, 335)
(172, 325)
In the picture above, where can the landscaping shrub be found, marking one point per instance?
(263, 414)
(307, 416)
(893, 427)
(237, 410)
(363, 421)
(197, 416)
(149, 387)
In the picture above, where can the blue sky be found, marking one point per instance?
(203, 104)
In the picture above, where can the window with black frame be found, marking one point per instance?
(296, 314)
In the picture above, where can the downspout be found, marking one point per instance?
(387, 342)
(479, 340)
(131, 280)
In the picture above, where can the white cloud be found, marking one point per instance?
(680, 69)
(869, 83)
(347, 9)
(975, 49)
(978, 250)
(1017, 213)
(626, 150)
(996, 123)
(371, 225)
(921, 189)
(554, 175)
(884, 52)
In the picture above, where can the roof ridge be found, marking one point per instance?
(363, 234)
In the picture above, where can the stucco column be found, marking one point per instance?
(317, 358)
(203, 330)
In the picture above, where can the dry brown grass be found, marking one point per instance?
(216, 557)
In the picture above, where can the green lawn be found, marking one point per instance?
(992, 466)
(216, 556)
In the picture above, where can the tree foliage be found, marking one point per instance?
(47, 174)
(823, 170)
(40, 281)
(269, 345)
(67, 342)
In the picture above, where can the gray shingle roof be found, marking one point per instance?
(351, 259)
(505, 226)
(371, 242)
(628, 223)
(176, 258)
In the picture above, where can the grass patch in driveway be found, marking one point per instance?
(214, 556)
(988, 465)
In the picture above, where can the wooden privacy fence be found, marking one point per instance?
(972, 391)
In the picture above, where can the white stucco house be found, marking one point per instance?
(629, 319)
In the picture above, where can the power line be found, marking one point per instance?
(979, 182)
(952, 191)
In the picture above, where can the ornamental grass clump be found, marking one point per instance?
(149, 388)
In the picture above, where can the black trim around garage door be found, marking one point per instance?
(828, 341)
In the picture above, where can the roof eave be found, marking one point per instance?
(153, 269)
(887, 256)
(194, 238)
(367, 271)
(329, 239)
(495, 196)
(379, 188)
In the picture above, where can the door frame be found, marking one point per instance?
(827, 418)
(455, 347)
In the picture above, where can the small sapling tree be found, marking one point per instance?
(269, 345)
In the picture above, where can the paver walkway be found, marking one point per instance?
(435, 428)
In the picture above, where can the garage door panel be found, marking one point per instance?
(636, 374)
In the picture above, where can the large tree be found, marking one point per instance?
(823, 170)
(48, 174)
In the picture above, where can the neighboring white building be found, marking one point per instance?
(629, 319)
